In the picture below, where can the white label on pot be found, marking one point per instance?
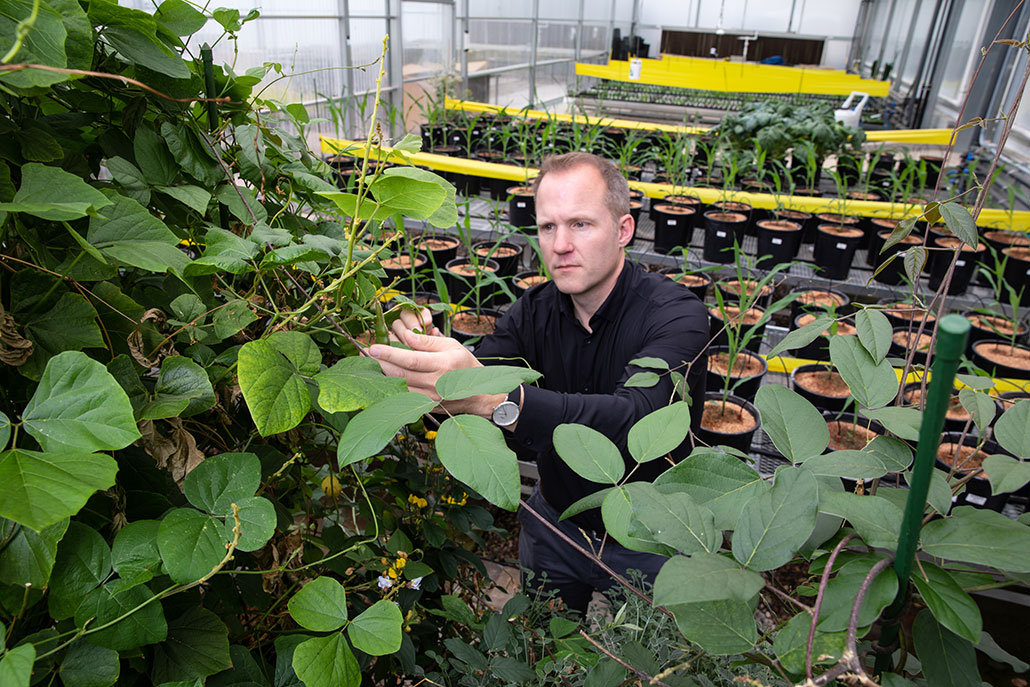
(776, 240)
(520, 204)
(960, 263)
(975, 499)
(842, 246)
(671, 222)
(722, 235)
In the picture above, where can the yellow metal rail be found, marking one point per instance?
(989, 217)
(743, 77)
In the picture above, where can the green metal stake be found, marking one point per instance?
(952, 332)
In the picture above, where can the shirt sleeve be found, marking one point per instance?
(677, 338)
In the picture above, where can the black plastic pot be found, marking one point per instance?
(522, 207)
(738, 440)
(904, 314)
(720, 338)
(819, 349)
(951, 424)
(459, 286)
(403, 274)
(722, 229)
(635, 206)
(778, 241)
(1017, 267)
(822, 402)
(984, 326)
(978, 490)
(457, 318)
(440, 248)
(892, 274)
(965, 266)
(507, 255)
(835, 247)
(995, 368)
(743, 208)
(697, 282)
(673, 227)
(900, 349)
(811, 300)
(1000, 239)
(519, 287)
(744, 387)
(832, 218)
(498, 187)
(731, 292)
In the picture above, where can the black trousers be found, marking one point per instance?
(571, 574)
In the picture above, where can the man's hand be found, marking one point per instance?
(429, 358)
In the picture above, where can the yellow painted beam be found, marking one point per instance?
(735, 77)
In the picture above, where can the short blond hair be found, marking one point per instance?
(616, 194)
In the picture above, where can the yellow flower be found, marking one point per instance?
(400, 563)
(417, 501)
(392, 573)
(431, 434)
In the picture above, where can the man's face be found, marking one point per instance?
(581, 243)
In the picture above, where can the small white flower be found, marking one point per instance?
(385, 582)
(414, 584)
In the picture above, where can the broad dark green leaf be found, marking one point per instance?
(874, 332)
(153, 158)
(473, 451)
(947, 659)
(980, 406)
(902, 422)
(83, 562)
(915, 260)
(370, 430)
(232, 317)
(243, 203)
(355, 383)
(44, 43)
(300, 349)
(642, 379)
(854, 464)
(28, 557)
(896, 455)
(79, 404)
(876, 519)
(377, 629)
(650, 363)
(326, 662)
(719, 481)
(192, 154)
(773, 526)
(189, 195)
(277, 396)
(68, 325)
(704, 577)
(981, 537)
(841, 593)
(718, 627)
(134, 551)
(617, 512)
(990, 647)
(16, 666)
(130, 179)
(412, 192)
(490, 379)
(1006, 474)
(951, 606)
(512, 670)
(181, 384)
(959, 221)
(320, 605)
(89, 665)
(51, 193)
(222, 480)
(590, 454)
(802, 336)
(257, 523)
(144, 625)
(179, 17)
(792, 640)
(593, 500)
(676, 520)
(191, 544)
(197, 645)
(130, 234)
(659, 432)
(872, 383)
(794, 425)
(42, 488)
(1012, 430)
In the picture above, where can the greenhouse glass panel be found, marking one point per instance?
(559, 9)
(555, 41)
(366, 45)
(428, 30)
(367, 8)
(509, 9)
(965, 51)
(594, 38)
(552, 83)
(496, 43)
(920, 36)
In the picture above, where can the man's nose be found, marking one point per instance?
(562, 240)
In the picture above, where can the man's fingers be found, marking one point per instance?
(407, 361)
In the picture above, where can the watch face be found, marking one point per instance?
(506, 413)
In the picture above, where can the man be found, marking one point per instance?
(580, 330)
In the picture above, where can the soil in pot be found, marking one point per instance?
(747, 367)
(400, 267)
(730, 423)
(443, 249)
(524, 281)
(819, 349)
(722, 229)
(732, 289)
(469, 324)
(965, 458)
(846, 435)
(965, 265)
(956, 417)
(673, 227)
(818, 301)
(521, 207)
(460, 276)
(506, 254)
(904, 339)
(906, 314)
(778, 241)
(833, 218)
(983, 326)
(822, 386)
(835, 246)
(1002, 359)
(697, 282)
(743, 321)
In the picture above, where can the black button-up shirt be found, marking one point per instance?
(584, 372)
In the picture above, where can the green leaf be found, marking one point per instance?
(874, 518)
(51, 193)
(939, 496)
(642, 379)
(320, 605)
(347, 202)
(130, 179)
(130, 234)
(370, 430)
(976, 382)
(792, 640)
(44, 43)
(948, 660)
(16, 666)
(191, 544)
(512, 670)
(950, 605)
(794, 425)
(79, 404)
(88, 665)
(409, 191)
(299, 349)
(981, 537)
(182, 380)
(659, 432)
(473, 451)
(901, 231)
(277, 396)
(140, 627)
(257, 523)
(915, 259)
(28, 557)
(990, 647)
(773, 526)
(69, 324)
(146, 50)
(43, 488)
(650, 363)
(718, 627)
(153, 158)
(179, 17)
(1006, 474)
(842, 591)
(377, 630)
(189, 195)
(854, 464)
(192, 154)
(222, 480)
(326, 662)
(242, 203)
(674, 520)
(617, 512)
(902, 422)
(589, 501)
(134, 552)
(874, 332)
(197, 645)
(1012, 430)
(959, 221)
(491, 379)
(704, 577)
(802, 336)
(872, 383)
(355, 383)
(717, 480)
(590, 454)
(980, 406)
(83, 562)
(5, 431)
(896, 455)
(232, 317)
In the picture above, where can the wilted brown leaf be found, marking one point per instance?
(176, 452)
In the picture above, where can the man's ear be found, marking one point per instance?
(627, 227)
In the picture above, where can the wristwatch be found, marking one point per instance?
(506, 413)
